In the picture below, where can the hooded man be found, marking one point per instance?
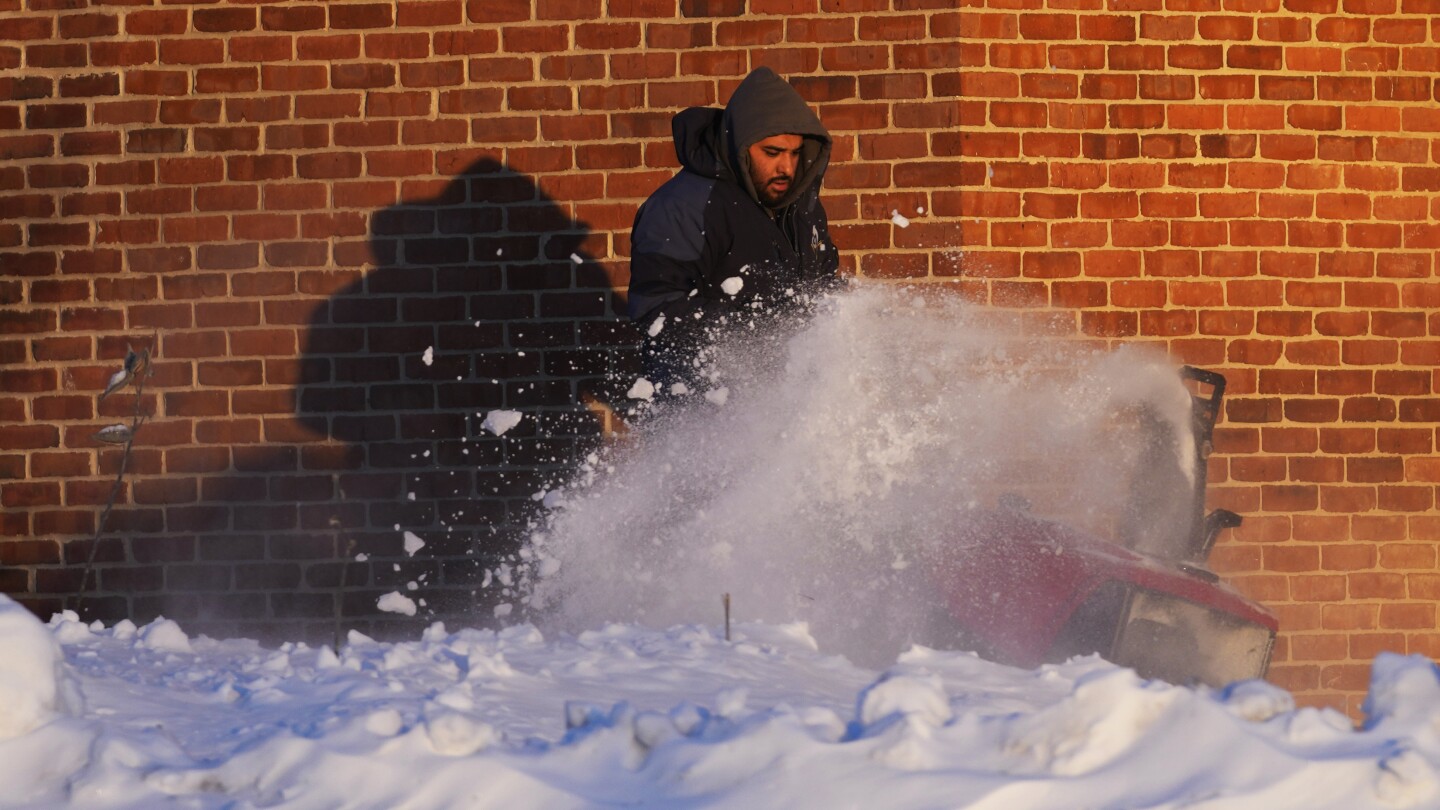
(738, 236)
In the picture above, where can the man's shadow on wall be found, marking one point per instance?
(486, 302)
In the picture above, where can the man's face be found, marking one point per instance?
(772, 166)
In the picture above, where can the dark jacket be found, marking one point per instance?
(706, 227)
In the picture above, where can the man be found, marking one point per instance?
(738, 237)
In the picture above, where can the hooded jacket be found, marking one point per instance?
(706, 254)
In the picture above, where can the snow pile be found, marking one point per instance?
(680, 717)
(30, 692)
(821, 472)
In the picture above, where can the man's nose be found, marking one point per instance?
(788, 164)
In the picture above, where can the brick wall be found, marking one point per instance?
(291, 201)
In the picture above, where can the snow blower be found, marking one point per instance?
(1026, 590)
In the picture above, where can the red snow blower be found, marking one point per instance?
(1027, 590)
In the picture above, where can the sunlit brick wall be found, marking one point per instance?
(295, 200)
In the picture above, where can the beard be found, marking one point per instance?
(769, 193)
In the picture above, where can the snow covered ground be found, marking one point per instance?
(127, 717)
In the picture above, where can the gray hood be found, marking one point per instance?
(716, 143)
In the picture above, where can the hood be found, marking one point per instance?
(715, 143)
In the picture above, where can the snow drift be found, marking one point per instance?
(31, 678)
(629, 716)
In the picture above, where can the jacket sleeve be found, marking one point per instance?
(669, 248)
(673, 252)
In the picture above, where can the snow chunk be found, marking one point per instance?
(1256, 701)
(68, 629)
(455, 735)
(642, 389)
(1109, 712)
(1405, 780)
(30, 671)
(1398, 682)
(396, 602)
(719, 396)
(413, 543)
(732, 285)
(899, 219)
(576, 258)
(164, 635)
(429, 355)
(653, 729)
(499, 422)
(656, 325)
(919, 696)
(384, 722)
(326, 658)
(731, 703)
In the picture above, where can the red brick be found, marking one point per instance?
(326, 48)
(1034, 26)
(362, 76)
(686, 35)
(227, 80)
(493, 11)
(22, 494)
(1036, 204)
(307, 18)
(229, 374)
(463, 43)
(1407, 617)
(361, 15)
(1109, 324)
(429, 13)
(395, 47)
(712, 8)
(1036, 144)
(1111, 264)
(257, 110)
(895, 265)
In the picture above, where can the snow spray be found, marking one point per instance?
(834, 459)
